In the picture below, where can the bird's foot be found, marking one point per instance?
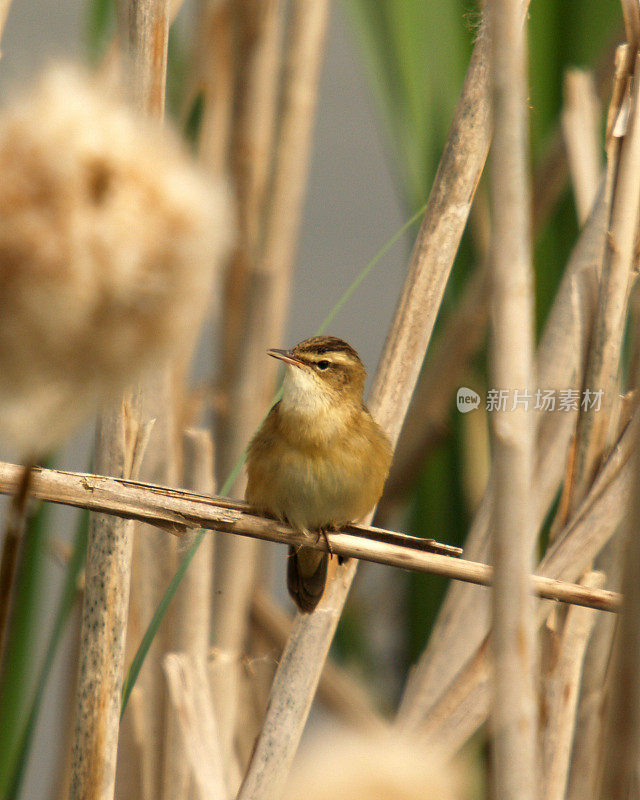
(323, 532)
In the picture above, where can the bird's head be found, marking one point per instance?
(323, 371)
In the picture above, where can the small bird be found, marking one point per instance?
(319, 460)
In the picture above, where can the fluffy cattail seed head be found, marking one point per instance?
(108, 240)
(383, 766)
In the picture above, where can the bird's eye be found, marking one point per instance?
(324, 364)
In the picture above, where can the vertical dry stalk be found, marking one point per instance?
(428, 415)
(104, 625)
(266, 300)
(192, 608)
(214, 77)
(11, 551)
(244, 334)
(143, 34)
(195, 627)
(561, 695)
(561, 356)
(191, 698)
(585, 754)
(301, 663)
(621, 740)
(346, 697)
(224, 678)
(258, 28)
(513, 713)
(594, 434)
(622, 727)
(4, 11)
(462, 706)
(581, 131)
(306, 35)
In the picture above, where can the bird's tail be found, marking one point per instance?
(306, 576)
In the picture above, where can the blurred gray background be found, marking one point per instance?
(351, 210)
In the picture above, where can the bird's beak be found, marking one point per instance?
(285, 355)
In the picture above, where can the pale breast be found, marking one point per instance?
(323, 488)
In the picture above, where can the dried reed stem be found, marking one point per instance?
(550, 180)
(342, 694)
(104, 625)
(305, 42)
(195, 626)
(269, 222)
(176, 510)
(4, 12)
(561, 696)
(560, 360)
(586, 750)
(622, 729)
(192, 607)
(143, 35)
(513, 710)
(258, 28)
(621, 737)
(13, 543)
(462, 707)
(594, 432)
(191, 699)
(428, 415)
(581, 130)
(447, 211)
(214, 77)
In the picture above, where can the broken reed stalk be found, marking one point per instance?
(621, 730)
(513, 718)
(588, 725)
(191, 700)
